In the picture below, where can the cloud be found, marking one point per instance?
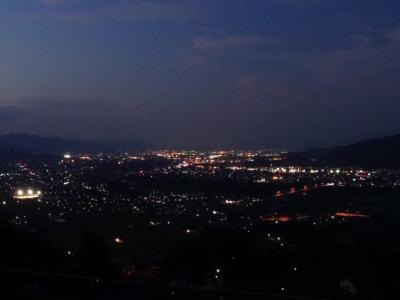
(228, 42)
(128, 11)
(205, 49)
(337, 96)
(54, 3)
(97, 118)
(367, 70)
(298, 3)
(209, 30)
(195, 60)
(11, 112)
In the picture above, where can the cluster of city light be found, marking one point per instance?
(351, 215)
(22, 194)
(277, 219)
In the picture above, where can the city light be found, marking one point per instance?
(118, 240)
(22, 194)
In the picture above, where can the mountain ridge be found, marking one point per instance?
(381, 152)
(57, 145)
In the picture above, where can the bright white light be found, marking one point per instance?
(67, 156)
(118, 240)
(22, 194)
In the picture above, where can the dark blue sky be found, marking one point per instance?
(202, 74)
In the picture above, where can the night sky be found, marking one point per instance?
(201, 74)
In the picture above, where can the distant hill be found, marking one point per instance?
(374, 153)
(10, 154)
(56, 145)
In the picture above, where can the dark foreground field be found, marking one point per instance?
(311, 255)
